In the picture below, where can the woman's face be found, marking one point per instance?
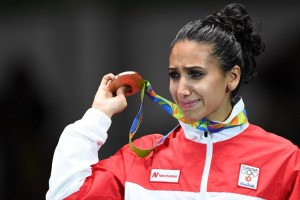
(197, 83)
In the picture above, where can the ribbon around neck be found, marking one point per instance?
(173, 109)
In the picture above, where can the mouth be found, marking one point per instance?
(188, 104)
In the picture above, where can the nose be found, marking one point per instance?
(184, 88)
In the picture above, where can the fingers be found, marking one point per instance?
(107, 78)
(121, 91)
(120, 95)
(105, 101)
(103, 89)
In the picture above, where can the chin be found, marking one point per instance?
(191, 118)
(193, 115)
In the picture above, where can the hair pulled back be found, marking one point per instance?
(233, 36)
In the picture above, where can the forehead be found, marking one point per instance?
(191, 53)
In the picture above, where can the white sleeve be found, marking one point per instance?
(76, 151)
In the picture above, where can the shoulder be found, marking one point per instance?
(144, 142)
(149, 141)
(269, 139)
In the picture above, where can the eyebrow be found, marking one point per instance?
(188, 68)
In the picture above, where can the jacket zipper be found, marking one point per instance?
(204, 180)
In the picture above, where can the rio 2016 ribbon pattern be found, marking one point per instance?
(174, 110)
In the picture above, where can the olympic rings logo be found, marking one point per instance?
(249, 173)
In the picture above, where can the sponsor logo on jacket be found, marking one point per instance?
(164, 175)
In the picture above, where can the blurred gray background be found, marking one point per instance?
(53, 55)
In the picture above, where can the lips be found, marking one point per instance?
(188, 103)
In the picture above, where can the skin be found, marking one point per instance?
(105, 101)
(197, 83)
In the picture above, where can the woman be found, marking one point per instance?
(226, 158)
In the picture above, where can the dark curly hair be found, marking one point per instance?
(234, 38)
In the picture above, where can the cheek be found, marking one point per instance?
(215, 92)
(217, 83)
(209, 90)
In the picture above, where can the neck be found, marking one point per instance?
(222, 113)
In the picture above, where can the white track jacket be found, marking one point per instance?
(241, 163)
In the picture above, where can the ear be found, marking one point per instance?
(234, 77)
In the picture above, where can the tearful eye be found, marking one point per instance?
(173, 75)
(195, 74)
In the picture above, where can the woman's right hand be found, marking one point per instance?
(105, 101)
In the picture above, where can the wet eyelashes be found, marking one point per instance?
(195, 74)
(192, 74)
(173, 74)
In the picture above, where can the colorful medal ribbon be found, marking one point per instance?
(174, 110)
